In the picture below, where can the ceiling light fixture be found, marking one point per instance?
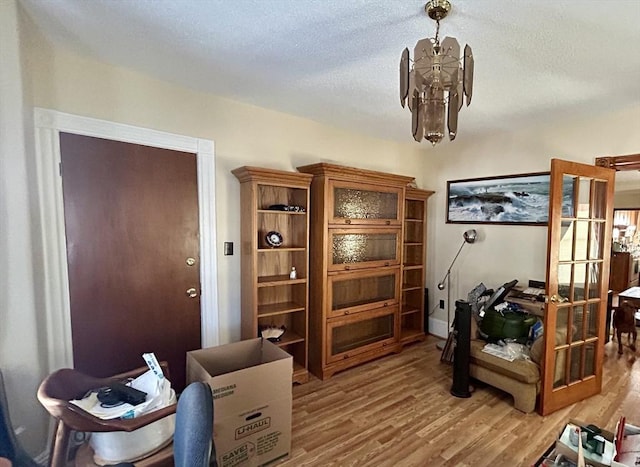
(436, 79)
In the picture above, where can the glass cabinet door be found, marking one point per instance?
(365, 204)
(359, 291)
(363, 248)
(359, 333)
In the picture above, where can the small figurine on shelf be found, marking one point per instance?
(293, 274)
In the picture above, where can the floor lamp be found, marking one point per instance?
(469, 237)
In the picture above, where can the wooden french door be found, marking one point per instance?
(132, 232)
(578, 251)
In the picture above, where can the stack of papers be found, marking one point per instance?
(158, 395)
(498, 351)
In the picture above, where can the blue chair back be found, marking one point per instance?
(193, 438)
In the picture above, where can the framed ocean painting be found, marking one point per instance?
(508, 199)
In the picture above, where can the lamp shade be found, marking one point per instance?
(470, 235)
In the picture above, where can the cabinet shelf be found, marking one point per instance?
(283, 279)
(412, 243)
(276, 250)
(408, 311)
(274, 309)
(282, 213)
(407, 287)
(414, 220)
(300, 373)
(289, 338)
(411, 335)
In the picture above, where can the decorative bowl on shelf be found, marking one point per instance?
(272, 333)
(273, 239)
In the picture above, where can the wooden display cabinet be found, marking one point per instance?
(412, 325)
(356, 253)
(276, 201)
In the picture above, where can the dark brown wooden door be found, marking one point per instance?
(131, 220)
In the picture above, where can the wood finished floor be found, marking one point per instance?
(397, 411)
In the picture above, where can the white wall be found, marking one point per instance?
(506, 252)
(19, 328)
(627, 199)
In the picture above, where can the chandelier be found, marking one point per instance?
(434, 86)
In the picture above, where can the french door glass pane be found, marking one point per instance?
(589, 360)
(597, 237)
(582, 240)
(561, 325)
(579, 281)
(599, 202)
(584, 197)
(575, 364)
(559, 372)
(566, 241)
(568, 203)
(592, 319)
(595, 275)
(564, 280)
(577, 318)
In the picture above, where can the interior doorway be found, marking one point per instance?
(56, 307)
(625, 240)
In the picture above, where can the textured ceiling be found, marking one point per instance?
(336, 61)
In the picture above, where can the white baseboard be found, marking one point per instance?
(438, 327)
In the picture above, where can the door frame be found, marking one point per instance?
(56, 307)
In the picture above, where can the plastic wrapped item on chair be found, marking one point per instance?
(119, 446)
(114, 447)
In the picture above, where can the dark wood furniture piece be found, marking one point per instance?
(625, 271)
(632, 294)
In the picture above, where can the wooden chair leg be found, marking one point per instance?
(60, 445)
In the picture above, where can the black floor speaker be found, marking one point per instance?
(425, 310)
(462, 347)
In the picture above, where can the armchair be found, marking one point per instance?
(64, 385)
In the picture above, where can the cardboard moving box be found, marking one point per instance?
(251, 382)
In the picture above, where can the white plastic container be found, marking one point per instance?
(121, 446)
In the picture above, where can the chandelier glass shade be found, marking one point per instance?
(434, 83)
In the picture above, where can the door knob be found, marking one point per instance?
(192, 292)
(190, 261)
(558, 299)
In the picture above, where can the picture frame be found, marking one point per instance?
(521, 199)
